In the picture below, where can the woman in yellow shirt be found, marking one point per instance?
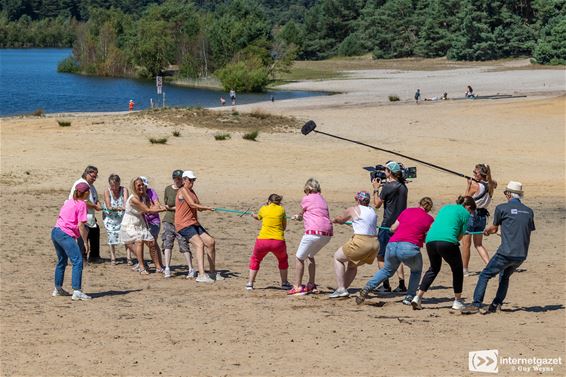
(271, 238)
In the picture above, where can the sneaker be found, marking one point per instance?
(167, 272)
(300, 291)
(312, 288)
(416, 303)
(78, 295)
(249, 286)
(458, 305)
(383, 289)
(217, 276)
(339, 293)
(466, 272)
(192, 273)
(204, 279)
(60, 292)
(470, 309)
(491, 309)
(362, 296)
(407, 300)
(286, 286)
(136, 267)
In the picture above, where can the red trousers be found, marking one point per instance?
(263, 247)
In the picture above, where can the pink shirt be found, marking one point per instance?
(316, 216)
(72, 213)
(413, 226)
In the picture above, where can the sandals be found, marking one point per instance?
(129, 262)
(144, 272)
(113, 262)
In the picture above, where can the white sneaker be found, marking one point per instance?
(466, 272)
(204, 279)
(60, 292)
(217, 276)
(167, 272)
(339, 293)
(416, 303)
(192, 273)
(78, 295)
(458, 305)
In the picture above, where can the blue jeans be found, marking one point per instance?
(501, 265)
(67, 248)
(397, 253)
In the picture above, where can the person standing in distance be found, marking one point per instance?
(517, 222)
(89, 176)
(392, 195)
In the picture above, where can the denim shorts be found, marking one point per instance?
(191, 231)
(476, 223)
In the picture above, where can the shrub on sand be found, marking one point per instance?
(222, 136)
(161, 140)
(64, 123)
(251, 135)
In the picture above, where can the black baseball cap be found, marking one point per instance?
(177, 173)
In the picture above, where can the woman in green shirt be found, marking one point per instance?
(442, 242)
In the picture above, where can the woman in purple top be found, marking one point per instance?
(69, 227)
(153, 221)
(318, 231)
(404, 246)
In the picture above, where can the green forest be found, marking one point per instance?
(246, 43)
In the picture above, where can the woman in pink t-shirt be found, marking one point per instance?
(318, 231)
(69, 227)
(404, 246)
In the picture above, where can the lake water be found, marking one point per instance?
(29, 80)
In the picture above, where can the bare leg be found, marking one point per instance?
(167, 257)
(253, 274)
(350, 275)
(129, 252)
(283, 274)
(189, 260)
(312, 270)
(465, 245)
(299, 271)
(340, 261)
(139, 254)
(401, 272)
(199, 247)
(155, 254)
(210, 245)
(113, 253)
(478, 238)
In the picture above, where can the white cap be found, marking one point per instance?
(144, 180)
(189, 174)
(515, 187)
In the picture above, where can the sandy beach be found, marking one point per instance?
(151, 326)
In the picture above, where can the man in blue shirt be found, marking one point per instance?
(517, 223)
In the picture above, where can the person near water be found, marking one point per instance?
(187, 206)
(131, 105)
(169, 235)
(470, 93)
(517, 222)
(409, 233)
(115, 197)
(233, 97)
(68, 229)
(135, 230)
(271, 238)
(417, 96)
(222, 101)
(442, 242)
(392, 195)
(480, 188)
(361, 249)
(318, 232)
(153, 220)
(92, 243)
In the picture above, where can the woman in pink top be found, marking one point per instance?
(318, 231)
(69, 227)
(404, 246)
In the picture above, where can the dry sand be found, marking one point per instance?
(152, 326)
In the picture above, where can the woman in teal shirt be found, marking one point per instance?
(442, 242)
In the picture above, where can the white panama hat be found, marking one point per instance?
(514, 187)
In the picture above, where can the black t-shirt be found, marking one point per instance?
(394, 197)
(517, 222)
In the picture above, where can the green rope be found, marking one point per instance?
(474, 232)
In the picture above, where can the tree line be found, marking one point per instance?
(247, 42)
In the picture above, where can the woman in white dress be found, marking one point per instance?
(134, 229)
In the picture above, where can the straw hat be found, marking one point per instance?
(514, 187)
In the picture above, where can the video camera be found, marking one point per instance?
(378, 172)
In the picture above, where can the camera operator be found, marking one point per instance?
(392, 194)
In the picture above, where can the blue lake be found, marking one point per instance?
(29, 80)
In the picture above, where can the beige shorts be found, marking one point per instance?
(361, 249)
